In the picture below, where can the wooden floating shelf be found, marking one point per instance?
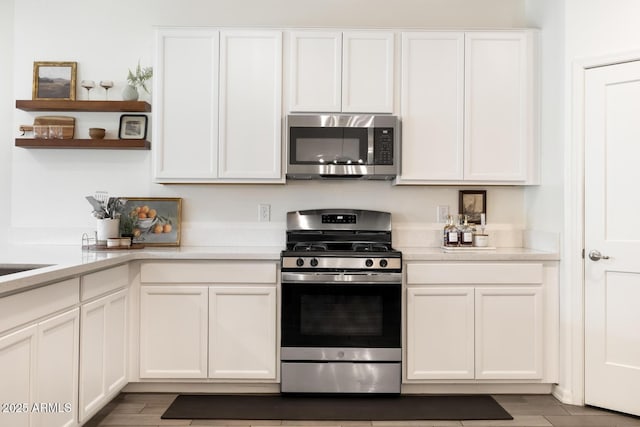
(103, 106)
(101, 144)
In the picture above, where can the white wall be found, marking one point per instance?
(595, 29)
(48, 186)
(548, 15)
(6, 113)
(574, 31)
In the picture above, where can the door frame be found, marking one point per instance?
(572, 349)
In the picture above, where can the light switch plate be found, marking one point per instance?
(443, 213)
(264, 212)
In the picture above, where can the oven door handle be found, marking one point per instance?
(364, 278)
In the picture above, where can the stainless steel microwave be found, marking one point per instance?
(348, 146)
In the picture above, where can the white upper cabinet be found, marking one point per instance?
(341, 71)
(469, 108)
(316, 71)
(432, 106)
(499, 106)
(250, 104)
(218, 95)
(367, 72)
(186, 98)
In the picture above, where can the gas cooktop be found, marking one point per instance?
(339, 239)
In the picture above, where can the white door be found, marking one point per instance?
(18, 376)
(316, 71)
(612, 202)
(440, 332)
(57, 371)
(508, 322)
(185, 107)
(103, 351)
(250, 105)
(367, 72)
(242, 332)
(432, 102)
(173, 331)
(498, 102)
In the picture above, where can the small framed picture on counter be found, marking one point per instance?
(152, 221)
(133, 126)
(54, 80)
(473, 203)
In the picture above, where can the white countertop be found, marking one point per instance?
(71, 260)
(474, 254)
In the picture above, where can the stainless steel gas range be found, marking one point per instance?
(341, 303)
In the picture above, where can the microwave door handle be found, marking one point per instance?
(370, 146)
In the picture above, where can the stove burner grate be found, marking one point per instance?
(304, 246)
(369, 247)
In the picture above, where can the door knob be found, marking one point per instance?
(595, 255)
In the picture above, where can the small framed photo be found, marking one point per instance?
(54, 80)
(133, 126)
(473, 203)
(153, 221)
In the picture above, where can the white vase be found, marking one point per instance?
(108, 228)
(130, 93)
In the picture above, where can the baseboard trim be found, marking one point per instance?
(176, 387)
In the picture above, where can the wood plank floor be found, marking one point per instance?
(142, 409)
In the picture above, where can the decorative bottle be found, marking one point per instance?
(451, 235)
(466, 232)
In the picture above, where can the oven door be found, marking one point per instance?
(354, 311)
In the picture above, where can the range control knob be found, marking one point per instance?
(383, 263)
(299, 262)
(314, 262)
(369, 263)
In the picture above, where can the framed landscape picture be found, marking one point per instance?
(54, 80)
(153, 221)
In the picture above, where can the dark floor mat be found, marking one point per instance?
(345, 407)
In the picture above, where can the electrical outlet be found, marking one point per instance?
(264, 212)
(443, 213)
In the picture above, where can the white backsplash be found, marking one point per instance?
(430, 235)
(227, 234)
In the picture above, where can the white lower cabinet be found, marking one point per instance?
(208, 320)
(242, 332)
(509, 323)
(173, 331)
(38, 367)
(482, 321)
(17, 370)
(103, 351)
(440, 333)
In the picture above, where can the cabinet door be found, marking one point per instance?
(499, 106)
(250, 104)
(242, 332)
(185, 105)
(440, 333)
(103, 351)
(316, 71)
(173, 332)
(432, 106)
(18, 374)
(509, 323)
(57, 371)
(367, 72)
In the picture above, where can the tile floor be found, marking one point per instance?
(141, 409)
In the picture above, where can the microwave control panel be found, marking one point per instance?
(383, 146)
